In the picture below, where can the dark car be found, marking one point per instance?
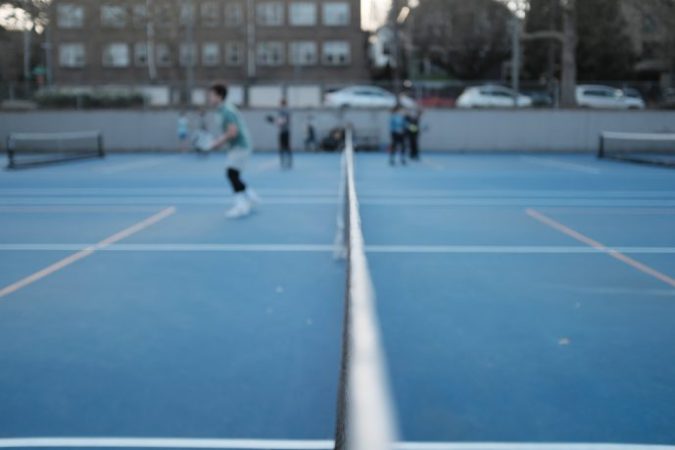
(668, 101)
(540, 99)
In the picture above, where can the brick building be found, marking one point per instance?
(243, 41)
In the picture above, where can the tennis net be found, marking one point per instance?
(365, 416)
(644, 148)
(29, 149)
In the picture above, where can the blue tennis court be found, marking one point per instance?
(522, 299)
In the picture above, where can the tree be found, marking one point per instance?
(36, 11)
(605, 50)
(663, 13)
(30, 15)
(470, 40)
(541, 58)
(566, 35)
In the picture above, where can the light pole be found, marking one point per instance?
(191, 52)
(396, 49)
(250, 50)
(515, 58)
(150, 36)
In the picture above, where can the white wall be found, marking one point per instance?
(446, 130)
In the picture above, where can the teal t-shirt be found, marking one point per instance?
(228, 115)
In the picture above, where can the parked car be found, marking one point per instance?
(540, 98)
(492, 96)
(668, 100)
(437, 101)
(634, 99)
(366, 97)
(604, 97)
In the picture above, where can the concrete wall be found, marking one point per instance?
(452, 130)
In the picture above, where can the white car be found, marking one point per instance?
(605, 97)
(492, 97)
(366, 97)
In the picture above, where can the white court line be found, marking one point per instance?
(76, 209)
(272, 444)
(614, 211)
(490, 249)
(313, 248)
(290, 444)
(373, 193)
(159, 200)
(525, 446)
(223, 200)
(56, 191)
(555, 163)
(88, 251)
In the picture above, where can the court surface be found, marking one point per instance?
(522, 299)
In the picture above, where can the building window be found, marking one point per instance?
(336, 53)
(116, 55)
(303, 53)
(649, 25)
(270, 13)
(270, 53)
(163, 55)
(302, 14)
(188, 55)
(164, 15)
(141, 54)
(71, 55)
(210, 54)
(210, 13)
(113, 16)
(70, 16)
(336, 14)
(234, 54)
(187, 13)
(140, 15)
(234, 15)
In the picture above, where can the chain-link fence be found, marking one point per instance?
(426, 94)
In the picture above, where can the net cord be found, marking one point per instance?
(366, 418)
(655, 137)
(60, 136)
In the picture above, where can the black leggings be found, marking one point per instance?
(285, 152)
(397, 144)
(235, 180)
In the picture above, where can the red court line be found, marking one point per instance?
(88, 251)
(599, 246)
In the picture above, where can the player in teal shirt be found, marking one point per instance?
(236, 140)
(397, 126)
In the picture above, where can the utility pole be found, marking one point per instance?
(515, 59)
(191, 50)
(48, 47)
(27, 32)
(150, 45)
(250, 51)
(396, 49)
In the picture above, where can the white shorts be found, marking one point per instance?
(237, 158)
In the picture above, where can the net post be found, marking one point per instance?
(601, 146)
(99, 142)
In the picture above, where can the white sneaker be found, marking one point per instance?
(240, 209)
(253, 197)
